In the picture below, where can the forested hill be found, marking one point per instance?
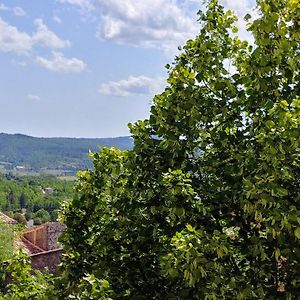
(70, 154)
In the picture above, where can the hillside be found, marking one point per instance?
(22, 152)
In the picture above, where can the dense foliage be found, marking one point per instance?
(50, 154)
(206, 205)
(18, 281)
(7, 235)
(38, 197)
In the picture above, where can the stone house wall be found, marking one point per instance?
(45, 236)
(42, 245)
(37, 236)
(54, 230)
(48, 259)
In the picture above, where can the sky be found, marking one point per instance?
(86, 68)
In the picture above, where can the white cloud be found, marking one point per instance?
(57, 20)
(83, 4)
(59, 63)
(33, 97)
(19, 11)
(148, 23)
(3, 7)
(47, 38)
(20, 63)
(141, 85)
(241, 8)
(162, 24)
(13, 40)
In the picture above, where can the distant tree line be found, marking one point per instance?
(24, 197)
(65, 154)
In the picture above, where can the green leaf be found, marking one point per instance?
(247, 17)
(277, 254)
(270, 124)
(235, 29)
(297, 232)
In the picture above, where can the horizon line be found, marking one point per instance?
(66, 137)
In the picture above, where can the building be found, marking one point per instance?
(41, 243)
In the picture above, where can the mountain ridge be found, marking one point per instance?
(56, 153)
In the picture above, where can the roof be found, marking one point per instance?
(6, 219)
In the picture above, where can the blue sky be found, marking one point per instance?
(85, 68)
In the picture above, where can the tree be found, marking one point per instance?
(206, 205)
(11, 203)
(41, 216)
(23, 201)
(20, 218)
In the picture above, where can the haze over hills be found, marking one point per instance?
(68, 155)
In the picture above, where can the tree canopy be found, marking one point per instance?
(28, 192)
(207, 204)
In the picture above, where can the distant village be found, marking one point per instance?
(6, 167)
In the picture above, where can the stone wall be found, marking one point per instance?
(54, 230)
(47, 259)
(42, 245)
(45, 236)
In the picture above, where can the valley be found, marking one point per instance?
(26, 155)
